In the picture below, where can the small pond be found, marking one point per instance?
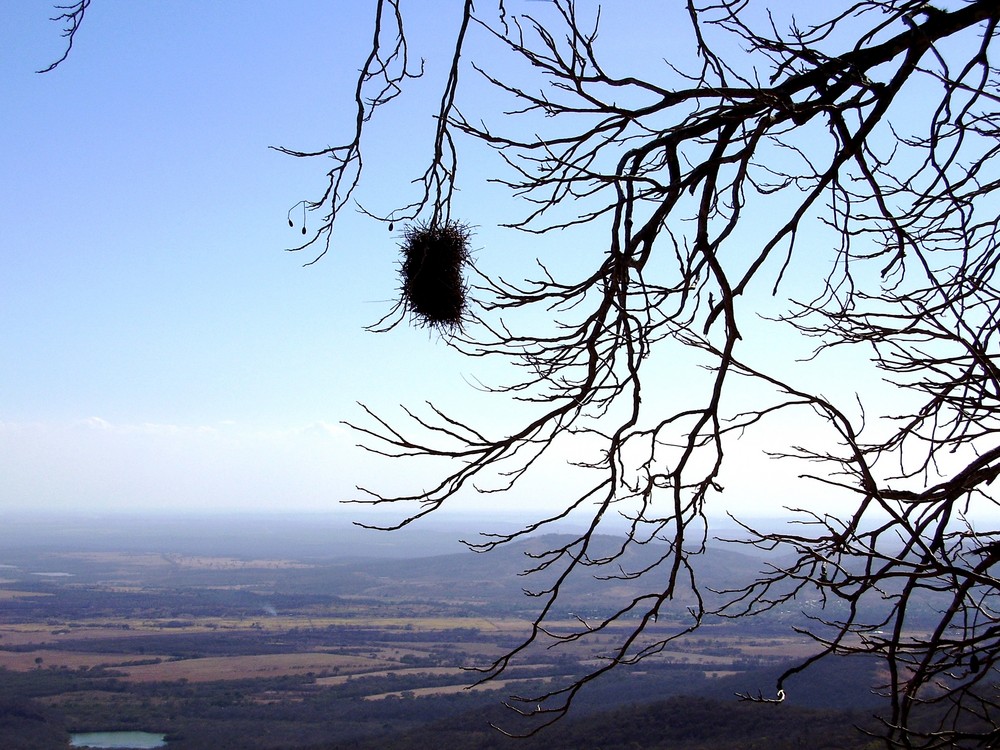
(120, 740)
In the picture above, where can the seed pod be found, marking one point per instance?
(432, 273)
(303, 230)
(974, 664)
(291, 223)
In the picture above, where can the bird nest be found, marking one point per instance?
(432, 271)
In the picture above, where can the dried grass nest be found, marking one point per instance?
(432, 272)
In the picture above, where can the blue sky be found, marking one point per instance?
(158, 349)
(146, 214)
(157, 346)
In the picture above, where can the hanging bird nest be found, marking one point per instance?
(434, 288)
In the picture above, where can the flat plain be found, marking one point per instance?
(272, 650)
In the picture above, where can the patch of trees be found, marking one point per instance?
(681, 723)
(94, 602)
(30, 725)
(293, 712)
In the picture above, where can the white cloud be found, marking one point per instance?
(97, 423)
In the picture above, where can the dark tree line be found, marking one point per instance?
(850, 144)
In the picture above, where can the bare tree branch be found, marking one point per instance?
(874, 126)
(71, 18)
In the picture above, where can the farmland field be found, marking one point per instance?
(284, 652)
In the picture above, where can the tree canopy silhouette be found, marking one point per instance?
(836, 166)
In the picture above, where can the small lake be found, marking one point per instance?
(120, 740)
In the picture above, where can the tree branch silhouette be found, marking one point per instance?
(843, 170)
(877, 126)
